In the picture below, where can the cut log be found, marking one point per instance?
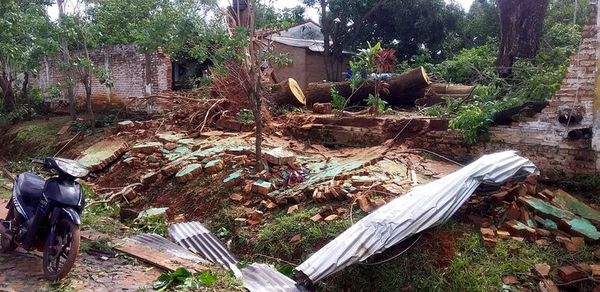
(404, 89)
(451, 89)
(288, 93)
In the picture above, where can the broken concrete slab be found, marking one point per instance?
(565, 201)
(262, 187)
(125, 126)
(147, 148)
(566, 221)
(170, 137)
(150, 177)
(280, 156)
(233, 179)
(152, 212)
(214, 166)
(188, 172)
(103, 153)
(517, 228)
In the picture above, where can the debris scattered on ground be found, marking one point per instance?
(521, 210)
(424, 207)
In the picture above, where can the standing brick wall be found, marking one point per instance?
(128, 70)
(542, 138)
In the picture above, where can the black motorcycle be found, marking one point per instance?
(45, 215)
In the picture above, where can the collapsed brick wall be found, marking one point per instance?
(542, 138)
(134, 75)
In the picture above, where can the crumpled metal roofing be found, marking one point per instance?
(263, 278)
(424, 207)
(195, 237)
(256, 277)
(158, 242)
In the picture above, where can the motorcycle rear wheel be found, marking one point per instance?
(7, 245)
(61, 250)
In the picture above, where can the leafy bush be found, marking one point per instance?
(182, 279)
(337, 100)
(533, 80)
(469, 66)
(245, 116)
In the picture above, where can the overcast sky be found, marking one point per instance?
(312, 13)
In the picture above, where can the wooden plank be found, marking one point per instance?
(158, 258)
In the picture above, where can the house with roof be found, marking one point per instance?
(304, 45)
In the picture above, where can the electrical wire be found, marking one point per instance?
(395, 256)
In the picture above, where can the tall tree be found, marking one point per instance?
(521, 24)
(21, 24)
(66, 58)
(269, 17)
(342, 23)
(482, 23)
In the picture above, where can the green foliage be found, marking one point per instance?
(151, 224)
(337, 100)
(376, 103)
(533, 80)
(102, 245)
(268, 17)
(245, 116)
(472, 120)
(183, 280)
(470, 66)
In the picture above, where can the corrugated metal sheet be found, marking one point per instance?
(198, 239)
(263, 278)
(424, 207)
(160, 243)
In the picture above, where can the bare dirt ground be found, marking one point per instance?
(22, 271)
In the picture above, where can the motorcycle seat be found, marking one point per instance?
(30, 185)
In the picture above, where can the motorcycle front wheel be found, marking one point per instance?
(61, 250)
(7, 245)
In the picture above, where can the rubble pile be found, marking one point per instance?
(147, 158)
(527, 212)
(523, 212)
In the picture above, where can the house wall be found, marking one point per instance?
(134, 75)
(315, 67)
(296, 68)
(543, 139)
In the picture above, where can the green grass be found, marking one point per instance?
(35, 138)
(274, 238)
(5, 193)
(473, 268)
(102, 245)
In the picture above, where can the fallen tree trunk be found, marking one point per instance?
(451, 89)
(287, 92)
(404, 89)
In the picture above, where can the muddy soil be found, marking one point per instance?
(22, 271)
